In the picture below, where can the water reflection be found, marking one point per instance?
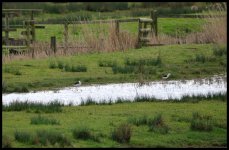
(163, 90)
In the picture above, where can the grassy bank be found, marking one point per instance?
(133, 65)
(186, 124)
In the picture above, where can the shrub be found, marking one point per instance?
(82, 133)
(43, 120)
(122, 134)
(6, 143)
(158, 125)
(201, 123)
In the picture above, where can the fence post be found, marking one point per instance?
(53, 44)
(65, 38)
(139, 33)
(117, 27)
(7, 27)
(153, 15)
(27, 23)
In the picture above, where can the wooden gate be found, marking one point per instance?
(145, 27)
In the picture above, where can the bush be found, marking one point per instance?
(201, 123)
(158, 125)
(43, 120)
(6, 143)
(122, 134)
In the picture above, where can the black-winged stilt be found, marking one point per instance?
(166, 76)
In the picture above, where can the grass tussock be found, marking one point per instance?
(43, 120)
(23, 137)
(143, 120)
(51, 107)
(201, 122)
(220, 50)
(158, 125)
(85, 133)
(52, 138)
(67, 67)
(82, 133)
(105, 63)
(122, 133)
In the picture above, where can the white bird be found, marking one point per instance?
(77, 84)
(166, 76)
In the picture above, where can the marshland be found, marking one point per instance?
(123, 100)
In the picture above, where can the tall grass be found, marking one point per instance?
(122, 133)
(201, 122)
(51, 107)
(215, 28)
(22, 136)
(43, 120)
(158, 125)
(49, 137)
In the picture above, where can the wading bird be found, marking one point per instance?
(77, 84)
(166, 76)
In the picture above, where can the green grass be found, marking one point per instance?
(39, 76)
(101, 120)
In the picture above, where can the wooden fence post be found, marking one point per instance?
(117, 27)
(139, 33)
(154, 17)
(7, 27)
(65, 38)
(27, 23)
(53, 44)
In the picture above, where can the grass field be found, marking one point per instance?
(100, 120)
(182, 61)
